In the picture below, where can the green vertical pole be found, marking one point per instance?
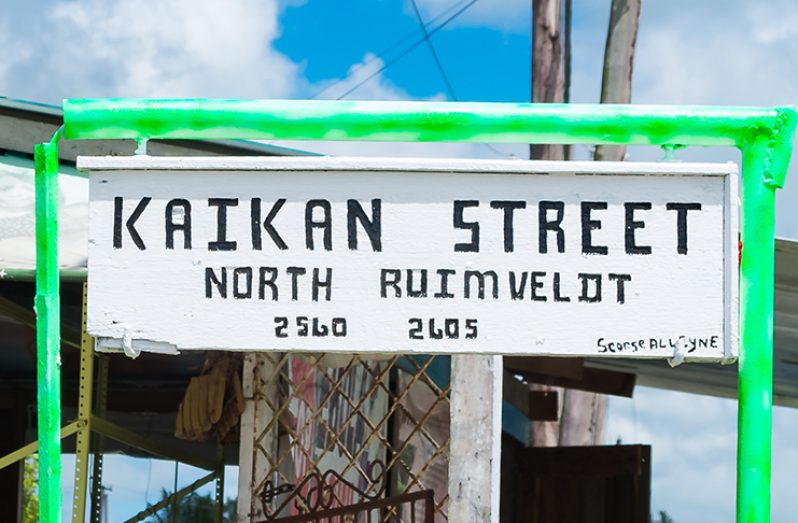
(755, 374)
(48, 332)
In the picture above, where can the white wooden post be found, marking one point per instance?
(475, 445)
(252, 466)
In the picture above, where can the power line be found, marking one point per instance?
(434, 54)
(386, 65)
(442, 71)
(391, 47)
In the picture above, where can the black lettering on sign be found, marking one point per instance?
(130, 223)
(545, 225)
(481, 276)
(295, 273)
(459, 223)
(435, 333)
(325, 284)
(535, 285)
(280, 326)
(509, 208)
(390, 277)
(220, 283)
(620, 279)
(517, 289)
(415, 329)
(339, 327)
(222, 243)
(266, 277)
(471, 329)
(302, 326)
(681, 222)
(325, 223)
(556, 286)
(257, 242)
(586, 295)
(452, 328)
(632, 225)
(372, 227)
(320, 330)
(589, 225)
(184, 226)
(246, 292)
(421, 292)
(444, 287)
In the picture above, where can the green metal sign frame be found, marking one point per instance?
(763, 135)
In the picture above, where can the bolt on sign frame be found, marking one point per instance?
(763, 135)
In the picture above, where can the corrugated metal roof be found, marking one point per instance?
(16, 139)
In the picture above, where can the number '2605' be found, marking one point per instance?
(438, 329)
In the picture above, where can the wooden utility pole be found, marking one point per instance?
(581, 413)
(548, 66)
(548, 86)
(616, 81)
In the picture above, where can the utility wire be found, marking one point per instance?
(391, 47)
(434, 54)
(386, 65)
(442, 71)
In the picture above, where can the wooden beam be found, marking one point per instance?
(535, 405)
(570, 368)
(593, 380)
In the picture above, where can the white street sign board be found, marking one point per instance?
(428, 256)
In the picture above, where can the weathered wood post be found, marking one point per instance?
(475, 445)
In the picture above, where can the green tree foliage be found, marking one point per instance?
(194, 508)
(30, 489)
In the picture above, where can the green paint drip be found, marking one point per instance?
(764, 135)
(48, 329)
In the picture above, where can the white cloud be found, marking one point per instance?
(772, 21)
(737, 54)
(179, 48)
(172, 48)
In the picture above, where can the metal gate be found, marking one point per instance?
(384, 510)
(379, 428)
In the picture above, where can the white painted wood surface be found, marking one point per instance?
(253, 464)
(158, 296)
(475, 444)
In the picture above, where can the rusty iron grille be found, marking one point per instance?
(378, 427)
(420, 505)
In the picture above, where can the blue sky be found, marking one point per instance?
(707, 52)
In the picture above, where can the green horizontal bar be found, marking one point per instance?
(429, 122)
(411, 121)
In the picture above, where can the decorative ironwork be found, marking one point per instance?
(316, 492)
(318, 412)
(385, 509)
